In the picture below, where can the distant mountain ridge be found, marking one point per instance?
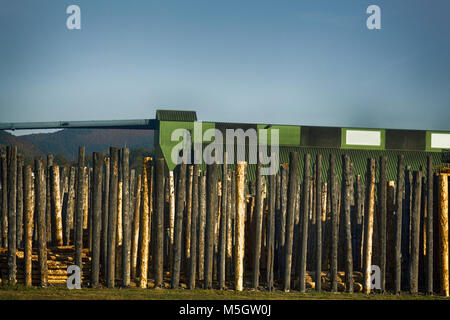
(67, 141)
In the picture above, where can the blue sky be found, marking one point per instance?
(308, 62)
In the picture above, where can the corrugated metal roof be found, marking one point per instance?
(175, 115)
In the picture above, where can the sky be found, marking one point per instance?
(304, 62)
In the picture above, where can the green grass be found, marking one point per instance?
(61, 293)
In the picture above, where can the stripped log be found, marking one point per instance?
(258, 219)
(211, 211)
(136, 221)
(81, 186)
(223, 224)
(12, 205)
(126, 218)
(112, 216)
(347, 194)
(271, 232)
(359, 222)
(70, 207)
(443, 233)
(382, 209)
(171, 215)
(369, 210)
(4, 213)
(240, 225)
(19, 208)
(105, 216)
(334, 224)
(415, 233)
(291, 203)
(304, 221)
(429, 226)
(28, 224)
(48, 210)
(180, 208)
(229, 249)
(188, 220)
(144, 224)
(283, 212)
(195, 207)
(202, 227)
(159, 222)
(96, 216)
(40, 192)
(318, 239)
(398, 231)
(55, 198)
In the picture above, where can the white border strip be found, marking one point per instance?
(363, 138)
(440, 140)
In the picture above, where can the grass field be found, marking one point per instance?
(61, 293)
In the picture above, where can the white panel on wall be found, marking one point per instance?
(440, 140)
(363, 138)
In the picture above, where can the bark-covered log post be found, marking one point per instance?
(415, 233)
(258, 219)
(369, 211)
(443, 233)
(4, 213)
(282, 217)
(194, 229)
(229, 244)
(28, 224)
(406, 225)
(187, 221)
(112, 216)
(55, 198)
(126, 218)
(271, 232)
(211, 211)
(70, 208)
(318, 280)
(105, 215)
(96, 217)
(382, 208)
(180, 209)
(12, 203)
(359, 202)
(240, 225)
(398, 222)
(304, 220)
(136, 221)
(334, 224)
(223, 224)
(48, 210)
(346, 206)
(201, 227)
(159, 222)
(81, 186)
(429, 227)
(171, 215)
(291, 203)
(390, 235)
(40, 195)
(19, 209)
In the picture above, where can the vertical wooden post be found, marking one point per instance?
(171, 215)
(81, 186)
(406, 227)
(429, 226)
(12, 203)
(112, 216)
(443, 233)
(188, 219)
(229, 250)
(202, 227)
(159, 222)
(346, 193)
(240, 225)
(334, 223)
(291, 203)
(304, 221)
(40, 192)
(258, 219)
(180, 208)
(195, 207)
(96, 216)
(369, 209)
(271, 232)
(126, 218)
(223, 224)
(48, 210)
(56, 207)
(398, 231)
(4, 215)
(28, 225)
(19, 213)
(136, 221)
(318, 280)
(390, 235)
(144, 224)
(415, 233)
(383, 214)
(70, 207)
(105, 216)
(211, 210)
